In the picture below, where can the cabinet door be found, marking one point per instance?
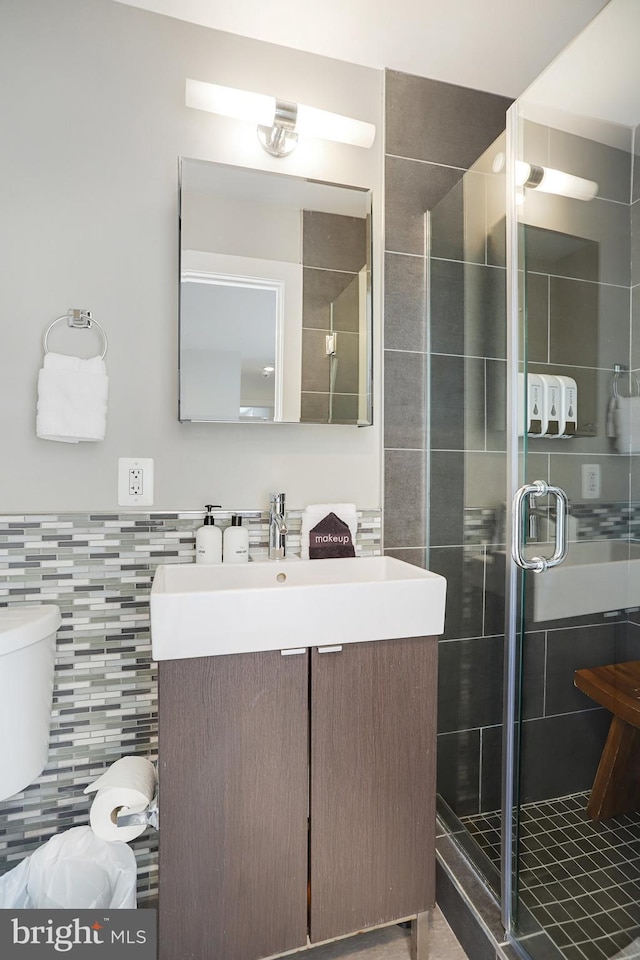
(373, 730)
(234, 806)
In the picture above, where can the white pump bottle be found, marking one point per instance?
(209, 539)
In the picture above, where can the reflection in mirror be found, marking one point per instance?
(275, 306)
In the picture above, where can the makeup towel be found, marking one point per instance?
(624, 424)
(72, 399)
(316, 512)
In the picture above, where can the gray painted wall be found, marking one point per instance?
(93, 123)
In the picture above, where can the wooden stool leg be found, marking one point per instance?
(616, 788)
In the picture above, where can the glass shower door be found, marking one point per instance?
(571, 828)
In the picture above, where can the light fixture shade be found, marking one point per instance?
(262, 110)
(229, 102)
(548, 180)
(567, 185)
(313, 122)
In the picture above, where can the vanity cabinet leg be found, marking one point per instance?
(420, 936)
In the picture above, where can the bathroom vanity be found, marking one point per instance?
(297, 725)
(297, 796)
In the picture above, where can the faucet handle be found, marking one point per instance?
(277, 500)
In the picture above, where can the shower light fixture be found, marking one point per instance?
(547, 180)
(279, 121)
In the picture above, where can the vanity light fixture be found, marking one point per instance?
(279, 121)
(547, 180)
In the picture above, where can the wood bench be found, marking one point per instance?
(616, 788)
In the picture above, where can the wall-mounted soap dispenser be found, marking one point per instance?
(552, 406)
(568, 405)
(537, 417)
(553, 403)
(209, 539)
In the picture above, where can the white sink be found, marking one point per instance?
(200, 610)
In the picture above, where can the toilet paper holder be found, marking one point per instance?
(148, 817)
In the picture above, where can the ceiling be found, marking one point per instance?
(496, 45)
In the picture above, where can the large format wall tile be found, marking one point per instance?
(412, 187)
(405, 322)
(560, 754)
(404, 495)
(447, 394)
(404, 400)
(446, 508)
(608, 166)
(469, 683)
(459, 770)
(334, 242)
(440, 122)
(576, 649)
(465, 608)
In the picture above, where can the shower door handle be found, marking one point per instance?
(539, 489)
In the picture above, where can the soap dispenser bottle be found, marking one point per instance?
(236, 542)
(209, 539)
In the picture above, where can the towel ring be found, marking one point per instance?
(81, 320)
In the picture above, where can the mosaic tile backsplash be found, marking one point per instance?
(608, 521)
(98, 569)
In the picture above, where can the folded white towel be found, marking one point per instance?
(316, 512)
(624, 421)
(72, 399)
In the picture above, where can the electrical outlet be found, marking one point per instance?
(135, 482)
(590, 481)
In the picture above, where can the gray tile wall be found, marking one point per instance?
(334, 250)
(435, 131)
(98, 569)
(578, 324)
(445, 475)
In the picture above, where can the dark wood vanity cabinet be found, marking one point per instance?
(297, 796)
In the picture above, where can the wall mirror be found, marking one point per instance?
(275, 298)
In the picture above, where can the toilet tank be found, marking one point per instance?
(27, 654)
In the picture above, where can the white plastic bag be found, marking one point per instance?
(73, 870)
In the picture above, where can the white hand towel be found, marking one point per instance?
(72, 399)
(626, 424)
(316, 512)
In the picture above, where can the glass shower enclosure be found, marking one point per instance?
(540, 753)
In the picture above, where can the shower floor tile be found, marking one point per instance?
(579, 879)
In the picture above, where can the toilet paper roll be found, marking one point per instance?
(128, 785)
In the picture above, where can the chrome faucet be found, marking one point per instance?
(277, 527)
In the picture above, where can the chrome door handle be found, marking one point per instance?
(539, 489)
